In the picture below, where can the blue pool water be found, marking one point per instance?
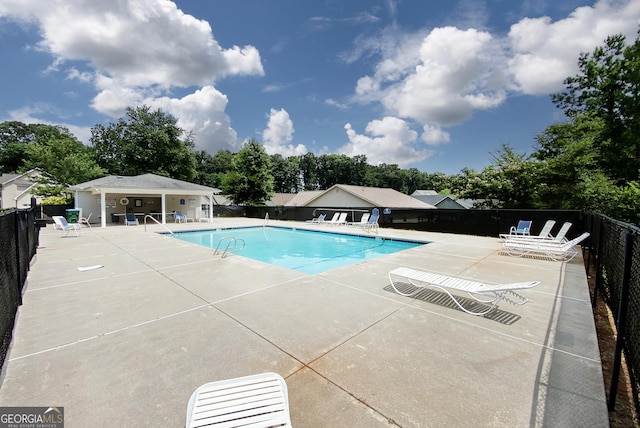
(301, 250)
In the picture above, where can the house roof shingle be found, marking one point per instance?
(376, 196)
(144, 181)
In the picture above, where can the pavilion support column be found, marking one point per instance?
(164, 208)
(211, 209)
(103, 209)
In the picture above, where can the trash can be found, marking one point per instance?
(114, 218)
(73, 215)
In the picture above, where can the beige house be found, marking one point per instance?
(109, 199)
(347, 196)
(15, 189)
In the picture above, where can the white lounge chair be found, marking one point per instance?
(342, 219)
(333, 219)
(558, 251)
(61, 223)
(319, 219)
(251, 401)
(363, 220)
(560, 237)
(488, 294)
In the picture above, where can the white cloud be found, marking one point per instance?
(141, 52)
(544, 53)
(203, 113)
(454, 73)
(34, 113)
(279, 134)
(432, 134)
(440, 77)
(391, 142)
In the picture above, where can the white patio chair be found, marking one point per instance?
(85, 220)
(252, 401)
(180, 218)
(62, 224)
(363, 220)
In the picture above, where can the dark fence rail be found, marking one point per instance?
(614, 258)
(467, 222)
(18, 242)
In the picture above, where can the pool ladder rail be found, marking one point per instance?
(232, 246)
(163, 226)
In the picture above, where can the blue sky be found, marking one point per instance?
(435, 85)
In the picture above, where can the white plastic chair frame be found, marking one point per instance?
(487, 294)
(258, 401)
(556, 251)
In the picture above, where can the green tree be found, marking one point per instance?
(145, 141)
(309, 171)
(211, 169)
(571, 172)
(250, 182)
(608, 87)
(14, 139)
(387, 176)
(286, 174)
(56, 151)
(511, 181)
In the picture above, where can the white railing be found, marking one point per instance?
(152, 218)
(231, 245)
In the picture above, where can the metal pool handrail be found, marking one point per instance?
(165, 227)
(231, 245)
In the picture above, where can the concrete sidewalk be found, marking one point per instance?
(126, 344)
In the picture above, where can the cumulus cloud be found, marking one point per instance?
(391, 141)
(455, 74)
(544, 52)
(440, 77)
(278, 135)
(141, 51)
(434, 135)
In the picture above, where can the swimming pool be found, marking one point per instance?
(300, 250)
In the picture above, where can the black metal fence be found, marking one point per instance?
(467, 222)
(614, 256)
(18, 242)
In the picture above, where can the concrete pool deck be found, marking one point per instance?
(126, 344)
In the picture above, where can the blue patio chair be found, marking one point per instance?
(180, 218)
(523, 228)
(131, 220)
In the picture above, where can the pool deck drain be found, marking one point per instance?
(127, 343)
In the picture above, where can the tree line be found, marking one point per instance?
(590, 161)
